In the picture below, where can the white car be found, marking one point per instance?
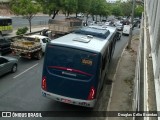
(43, 40)
(126, 29)
(107, 23)
(119, 26)
(80, 15)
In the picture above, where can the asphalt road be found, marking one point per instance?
(21, 91)
(19, 21)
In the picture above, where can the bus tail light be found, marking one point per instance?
(91, 95)
(44, 83)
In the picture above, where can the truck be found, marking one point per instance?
(32, 46)
(4, 45)
(64, 26)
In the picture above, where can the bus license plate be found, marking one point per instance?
(66, 100)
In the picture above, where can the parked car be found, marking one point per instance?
(119, 27)
(80, 15)
(118, 35)
(4, 45)
(136, 22)
(107, 23)
(8, 64)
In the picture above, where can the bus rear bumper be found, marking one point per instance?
(68, 100)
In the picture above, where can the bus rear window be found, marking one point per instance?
(72, 60)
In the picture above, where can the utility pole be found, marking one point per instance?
(130, 35)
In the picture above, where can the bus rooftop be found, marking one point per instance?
(92, 38)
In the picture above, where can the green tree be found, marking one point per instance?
(70, 6)
(83, 6)
(138, 10)
(27, 8)
(94, 8)
(51, 7)
(104, 9)
(126, 8)
(116, 9)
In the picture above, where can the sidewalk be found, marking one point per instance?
(122, 88)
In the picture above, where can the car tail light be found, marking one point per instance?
(44, 84)
(91, 95)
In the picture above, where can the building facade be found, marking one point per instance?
(152, 12)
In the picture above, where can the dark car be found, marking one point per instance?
(118, 35)
(8, 64)
(5, 44)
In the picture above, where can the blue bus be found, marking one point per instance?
(76, 64)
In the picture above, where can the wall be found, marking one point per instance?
(152, 12)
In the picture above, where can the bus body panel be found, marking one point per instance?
(68, 100)
(66, 75)
(67, 87)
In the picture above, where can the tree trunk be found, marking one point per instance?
(93, 17)
(55, 13)
(76, 14)
(96, 18)
(87, 19)
(30, 25)
(67, 14)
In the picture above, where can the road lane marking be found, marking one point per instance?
(25, 71)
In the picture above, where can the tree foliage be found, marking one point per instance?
(126, 8)
(70, 6)
(21, 31)
(51, 7)
(138, 10)
(95, 8)
(27, 8)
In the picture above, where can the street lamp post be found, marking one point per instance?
(130, 35)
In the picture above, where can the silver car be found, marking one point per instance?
(119, 27)
(8, 64)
